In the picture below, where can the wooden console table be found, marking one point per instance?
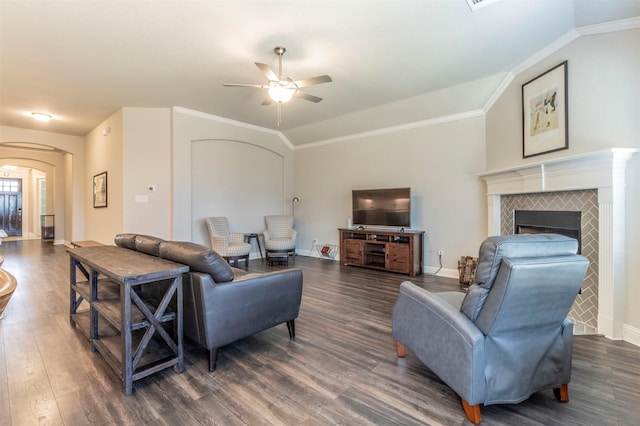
(385, 250)
(88, 243)
(131, 332)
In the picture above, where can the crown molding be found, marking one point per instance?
(606, 27)
(529, 62)
(399, 128)
(235, 123)
(506, 81)
(609, 27)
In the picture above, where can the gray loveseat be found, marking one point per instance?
(509, 336)
(223, 304)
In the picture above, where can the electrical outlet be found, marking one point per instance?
(440, 253)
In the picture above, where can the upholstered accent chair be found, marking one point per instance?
(279, 238)
(230, 245)
(508, 336)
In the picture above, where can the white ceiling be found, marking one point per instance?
(83, 60)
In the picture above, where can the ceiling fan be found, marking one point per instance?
(282, 87)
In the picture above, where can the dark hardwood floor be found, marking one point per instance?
(341, 368)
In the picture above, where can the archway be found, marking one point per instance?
(40, 172)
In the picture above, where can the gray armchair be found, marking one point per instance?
(509, 335)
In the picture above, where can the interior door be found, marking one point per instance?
(11, 206)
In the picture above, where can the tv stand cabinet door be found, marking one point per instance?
(398, 258)
(353, 252)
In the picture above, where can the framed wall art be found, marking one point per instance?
(100, 190)
(545, 112)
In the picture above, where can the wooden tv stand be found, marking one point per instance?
(385, 250)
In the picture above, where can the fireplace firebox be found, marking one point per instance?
(564, 222)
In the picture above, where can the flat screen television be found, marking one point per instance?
(382, 207)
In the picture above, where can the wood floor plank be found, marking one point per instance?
(342, 367)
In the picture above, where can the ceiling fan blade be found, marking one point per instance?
(307, 96)
(313, 80)
(257, 86)
(271, 76)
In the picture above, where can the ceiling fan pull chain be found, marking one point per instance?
(279, 113)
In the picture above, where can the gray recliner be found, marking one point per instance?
(509, 335)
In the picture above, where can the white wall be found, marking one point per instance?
(243, 190)
(204, 187)
(604, 112)
(603, 86)
(146, 150)
(74, 197)
(105, 153)
(632, 313)
(439, 162)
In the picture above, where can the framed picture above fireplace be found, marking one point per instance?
(545, 112)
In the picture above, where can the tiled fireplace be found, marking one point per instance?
(585, 310)
(593, 184)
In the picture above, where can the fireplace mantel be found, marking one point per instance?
(602, 170)
(583, 171)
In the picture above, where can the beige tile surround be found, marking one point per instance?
(585, 309)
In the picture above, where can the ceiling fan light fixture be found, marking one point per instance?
(281, 94)
(281, 88)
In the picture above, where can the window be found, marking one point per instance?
(9, 185)
(43, 196)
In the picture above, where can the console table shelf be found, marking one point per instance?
(108, 305)
(385, 250)
(136, 335)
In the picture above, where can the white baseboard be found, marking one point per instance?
(255, 255)
(444, 272)
(631, 334)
